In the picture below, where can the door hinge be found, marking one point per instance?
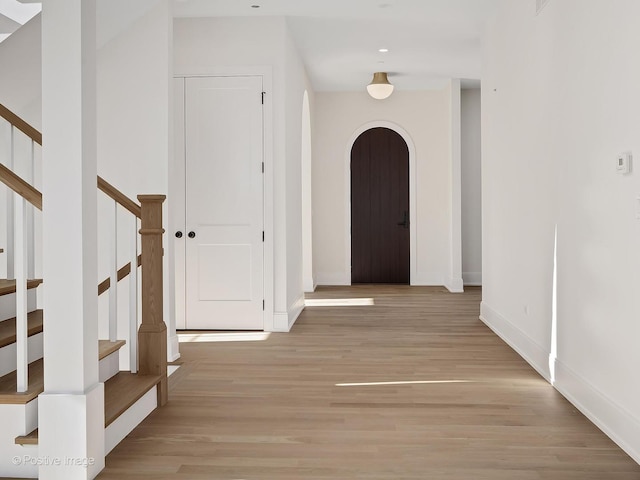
(262, 305)
(262, 167)
(263, 235)
(263, 94)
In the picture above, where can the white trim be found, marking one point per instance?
(130, 419)
(333, 278)
(174, 348)
(536, 355)
(310, 285)
(412, 195)
(454, 283)
(306, 195)
(266, 72)
(283, 321)
(427, 279)
(614, 420)
(472, 279)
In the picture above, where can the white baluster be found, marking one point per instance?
(20, 263)
(113, 286)
(10, 208)
(133, 301)
(31, 236)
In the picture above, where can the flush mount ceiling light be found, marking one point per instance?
(380, 88)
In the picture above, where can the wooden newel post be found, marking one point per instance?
(152, 335)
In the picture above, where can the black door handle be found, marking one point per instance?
(405, 220)
(178, 234)
(191, 234)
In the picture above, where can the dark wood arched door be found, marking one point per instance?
(380, 241)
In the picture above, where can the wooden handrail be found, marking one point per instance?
(22, 188)
(119, 197)
(20, 124)
(123, 272)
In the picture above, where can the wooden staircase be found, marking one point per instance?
(124, 392)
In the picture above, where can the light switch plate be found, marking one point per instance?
(623, 163)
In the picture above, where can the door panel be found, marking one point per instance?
(380, 240)
(224, 203)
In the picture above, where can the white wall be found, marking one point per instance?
(560, 100)
(471, 191)
(21, 72)
(425, 116)
(134, 136)
(133, 91)
(297, 83)
(215, 46)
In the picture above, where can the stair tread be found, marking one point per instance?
(106, 347)
(8, 394)
(123, 390)
(9, 286)
(8, 328)
(30, 439)
(120, 393)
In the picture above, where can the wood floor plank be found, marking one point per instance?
(276, 410)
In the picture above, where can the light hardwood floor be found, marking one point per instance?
(272, 409)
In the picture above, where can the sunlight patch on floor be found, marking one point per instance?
(338, 302)
(223, 337)
(410, 382)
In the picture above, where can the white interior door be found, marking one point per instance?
(224, 203)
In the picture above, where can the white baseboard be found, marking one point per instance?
(527, 348)
(335, 278)
(173, 351)
(454, 285)
(472, 279)
(283, 321)
(309, 285)
(614, 420)
(426, 279)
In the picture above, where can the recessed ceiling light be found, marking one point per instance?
(383, 50)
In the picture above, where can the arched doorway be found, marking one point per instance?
(380, 229)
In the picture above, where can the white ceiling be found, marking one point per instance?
(429, 41)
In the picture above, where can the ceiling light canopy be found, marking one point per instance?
(380, 88)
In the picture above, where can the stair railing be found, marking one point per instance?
(20, 247)
(120, 200)
(147, 344)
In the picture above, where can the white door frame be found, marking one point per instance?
(266, 72)
(412, 193)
